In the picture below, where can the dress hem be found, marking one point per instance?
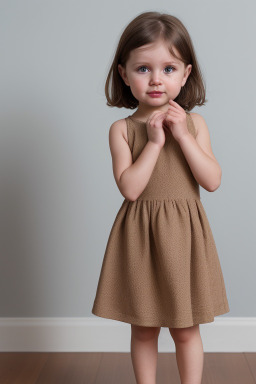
(197, 319)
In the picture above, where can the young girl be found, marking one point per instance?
(161, 267)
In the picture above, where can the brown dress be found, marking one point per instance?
(161, 266)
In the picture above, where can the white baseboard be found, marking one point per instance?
(93, 334)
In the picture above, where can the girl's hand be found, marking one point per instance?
(176, 120)
(155, 129)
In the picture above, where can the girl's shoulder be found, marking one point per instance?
(119, 127)
(202, 134)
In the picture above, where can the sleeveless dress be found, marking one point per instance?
(161, 266)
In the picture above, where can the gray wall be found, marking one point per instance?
(58, 197)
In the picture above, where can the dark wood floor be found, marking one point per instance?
(116, 368)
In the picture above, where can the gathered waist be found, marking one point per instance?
(170, 199)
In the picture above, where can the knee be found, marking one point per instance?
(145, 333)
(183, 335)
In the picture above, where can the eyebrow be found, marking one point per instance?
(167, 62)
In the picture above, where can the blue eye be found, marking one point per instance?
(143, 66)
(169, 66)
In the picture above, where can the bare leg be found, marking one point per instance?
(144, 350)
(189, 353)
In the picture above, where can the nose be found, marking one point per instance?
(155, 78)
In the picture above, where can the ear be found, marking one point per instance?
(122, 73)
(186, 74)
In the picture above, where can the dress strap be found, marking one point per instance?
(191, 125)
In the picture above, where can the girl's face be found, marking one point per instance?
(152, 68)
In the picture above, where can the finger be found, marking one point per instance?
(161, 116)
(157, 116)
(174, 110)
(152, 116)
(173, 103)
(171, 117)
(172, 114)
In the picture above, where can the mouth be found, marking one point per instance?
(155, 93)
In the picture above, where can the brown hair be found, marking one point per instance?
(147, 28)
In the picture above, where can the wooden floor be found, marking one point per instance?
(116, 368)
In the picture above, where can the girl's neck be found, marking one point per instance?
(143, 113)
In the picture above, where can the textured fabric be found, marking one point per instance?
(161, 266)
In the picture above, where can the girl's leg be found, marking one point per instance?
(189, 353)
(144, 350)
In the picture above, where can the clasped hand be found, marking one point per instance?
(173, 121)
(176, 120)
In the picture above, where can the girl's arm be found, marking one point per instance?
(131, 178)
(200, 157)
